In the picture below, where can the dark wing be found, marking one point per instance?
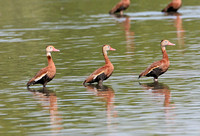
(155, 65)
(172, 7)
(105, 71)
(42, 73)
(167, 7)
(119, 7)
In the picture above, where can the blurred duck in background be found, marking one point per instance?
(120, 7)
(173, 6)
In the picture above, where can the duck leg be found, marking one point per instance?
(100, 82)
(155, 79)
(121, 12)
(44, 85)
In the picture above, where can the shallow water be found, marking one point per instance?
(124, 106)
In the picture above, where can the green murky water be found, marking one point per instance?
(79, 29)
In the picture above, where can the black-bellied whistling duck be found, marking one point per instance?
(46, 74)
(159, 67)
(104, 72)
(173, 6)
(120, 7)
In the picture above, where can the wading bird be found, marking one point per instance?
(104, 72)
(159, 67)
(120, 7)
(46, 74)
(173, 6)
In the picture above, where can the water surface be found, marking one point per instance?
(124, 105)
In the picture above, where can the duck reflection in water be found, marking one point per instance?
(125, 23)
(179, 27)
(48, 101)
(162, 89)
(108, 96)
(159, 88)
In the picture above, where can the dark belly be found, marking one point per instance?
(156, 72)
(44, 80)
(99, 77)
(171, 9)
(120, 9)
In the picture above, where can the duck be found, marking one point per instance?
(159, 67)
(120, 7)
(103, 72)
(173, 6)
(45, 74)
